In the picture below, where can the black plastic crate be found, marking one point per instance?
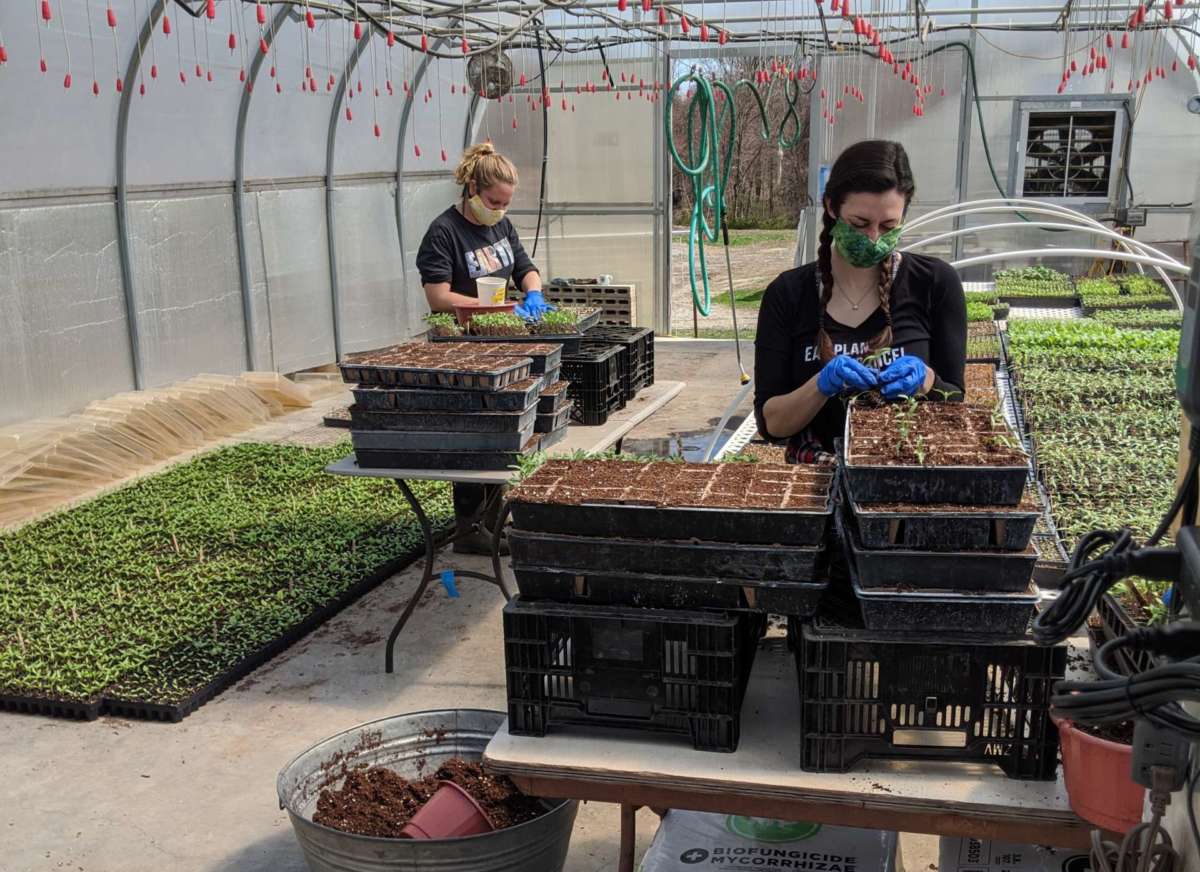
(640, 343)
(594, 368)
(624, 359)
(592, 406)
(652, 670)
(877, 696)
(604, 587)
(726, 561)
(514, 398)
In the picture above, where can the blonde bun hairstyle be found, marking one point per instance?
(484, 166)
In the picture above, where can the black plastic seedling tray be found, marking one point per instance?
(542, 361)
(568, 341)
(548, 403)
(866, 695)
(504, 374)
(555, 420)
(444, 422)
(669, 592)
(76, 710)
(420, 440)
(651, 670)
(706, 560)
(373, 398)
(749, 526)
(959, 571)
(455, 460)
(944, 530)
(905, 610)
(1046, 302)
(959, 485)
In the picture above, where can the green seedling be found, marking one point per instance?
(443, 324)
(497, 324)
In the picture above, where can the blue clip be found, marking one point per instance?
(448, 583)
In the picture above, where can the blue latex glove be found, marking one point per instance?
(845, 373)
(534, 306)
(903, 378)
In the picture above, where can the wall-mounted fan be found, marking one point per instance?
(490, 74)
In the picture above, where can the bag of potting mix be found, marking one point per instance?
(984, 855)
(692, 841)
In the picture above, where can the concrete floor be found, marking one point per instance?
(199, 796)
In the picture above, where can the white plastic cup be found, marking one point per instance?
(492, 290)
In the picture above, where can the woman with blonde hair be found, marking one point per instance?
(473, 240)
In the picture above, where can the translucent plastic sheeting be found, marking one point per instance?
(183, 131)
(188, 291)
(436, 124)
(618, 245)
(286, 130)
(63, 338)
(374, 307)
(295, 255)
(59, 138)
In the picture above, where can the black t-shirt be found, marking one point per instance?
(929, 320)
(456, 251)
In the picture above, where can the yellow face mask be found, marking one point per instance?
(485, 216)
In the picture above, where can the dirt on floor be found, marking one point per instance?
(754, 267)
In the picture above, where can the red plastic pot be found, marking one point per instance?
(450, 813)
(1096, 772)
(466, 313)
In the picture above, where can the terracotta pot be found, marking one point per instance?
(466, 313)
(1099, 785)
(450, 813)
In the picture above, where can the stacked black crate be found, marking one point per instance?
(639, 342)
(423, 406)
(594, 375)
(645, 588)
(927, 655)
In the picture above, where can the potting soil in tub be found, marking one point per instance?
(379, 802)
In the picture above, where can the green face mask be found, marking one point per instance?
(857, 249)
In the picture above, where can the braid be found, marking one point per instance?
(825, 271)
(884, 338)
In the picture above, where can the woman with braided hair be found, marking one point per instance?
(862, 317)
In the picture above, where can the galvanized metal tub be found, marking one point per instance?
(399, 743)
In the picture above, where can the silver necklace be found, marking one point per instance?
(854, 304)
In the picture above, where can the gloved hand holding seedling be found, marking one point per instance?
(844, 373)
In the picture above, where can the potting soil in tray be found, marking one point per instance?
(568, 342)
(444, 422)
(416, 365)
(753, 503)
(516, 397)
(704, 560)
(933, 453)
(603, 587)
(417, 440)
(545, 355)
(379, 802)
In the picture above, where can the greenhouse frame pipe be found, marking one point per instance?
(1045, 225)
(124, 246)
(1070, 252)
(330, 156)
(239, 185)
(401, 137)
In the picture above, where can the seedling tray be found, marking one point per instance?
(549, 440)
(499, 372)
(866, 695)
(961, 572)
(568, 341)
(669, 592)
(749, 526)
(457, 460)
(76, 710)
(515, 398)
(545, 355)
(657, 671)
(1049, 301)
(444, 422)
(941, 528)
(555, 420)
(959, 485)
(418, 440)
(907, 610)
(705, 560)
(548, 403)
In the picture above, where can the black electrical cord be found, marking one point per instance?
(1191, 804)
(537, 33)
(1102, 558)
